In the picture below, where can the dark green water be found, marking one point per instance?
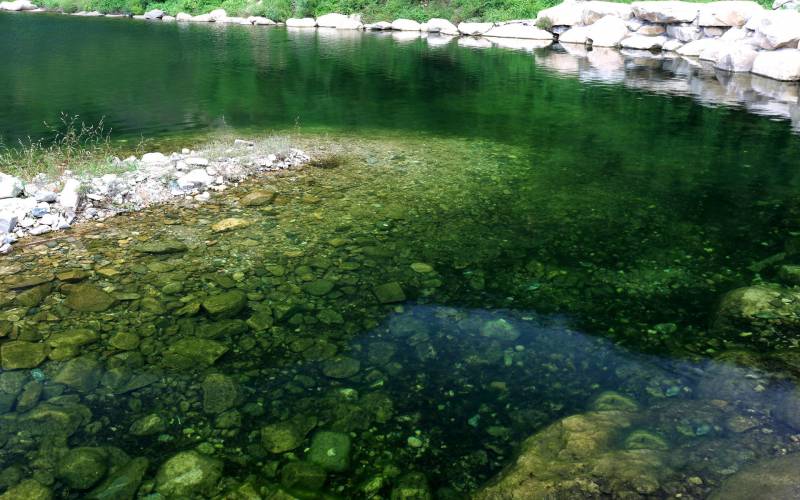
(554, 239)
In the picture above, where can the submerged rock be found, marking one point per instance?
(159, 247)
(81, 374)
(219, 393)
(193, 353)
(287, 435)
(341, 367)
(230, 224)
(122, 483)
(412, 486)
(148, 425)
(776, 479)
(330, 450)
(389, 293)
(304, 476)
(88, 298)
(188, 474)
(81, 468)
(258, 198)
(29, 489)
(225, 304)
(18, 354)
(767, 316)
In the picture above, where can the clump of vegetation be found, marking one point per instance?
(327, 162)
(545, 23)
(72, 145)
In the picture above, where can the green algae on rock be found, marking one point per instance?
(19, 354)
(88, 298)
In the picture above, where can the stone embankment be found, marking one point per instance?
(737, 36)
(44, 205)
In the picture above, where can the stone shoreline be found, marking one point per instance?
(736, 36)
(43, 205)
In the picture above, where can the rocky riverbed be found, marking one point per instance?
(318, 333)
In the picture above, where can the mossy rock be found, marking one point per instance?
(72, 338)
(330, 450)
(644, 440)
(614, 401)
(29, 489)
(230, 224)
(389, 293)
(188, 475)
(88, 298)
(82, 374)
(193, 352)
(226, 304)
(161, 247)
(122, 482)
(774, 479)
(259, 198)
(81, 468)
(303, 476)
(18, 354)
(288, 435)
(220, 393)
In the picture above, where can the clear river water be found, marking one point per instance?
(508, 250)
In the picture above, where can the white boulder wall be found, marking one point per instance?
(442, 26)
(568, 13)
(728, 13)
(666, 12)
(776, 30)
(736, 57)
(596, 10)
(340, 21)
(405, 25)
(474, 29)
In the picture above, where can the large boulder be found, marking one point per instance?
(218, 15)
(568, 13)
(666, 12)
(736, 58)
(696, 47)
(88, 298)
(774, 478)
(519, 30)
(442, 26)
(154, 15)
(776, 30)
(306, 22)
(727, 13)
(607, 32)
(183, 16)
(474, 29)
(339, 21)
(10, 186)
(781, 64)
(19, 354)
(576, 34)
(594, 11)
(188, 475)
(405, 25)
(684, 32)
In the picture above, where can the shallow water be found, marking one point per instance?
(538, 239)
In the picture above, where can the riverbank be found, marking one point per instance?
(735, 37)
(45, 204)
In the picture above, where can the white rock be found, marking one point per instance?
(340, 21)
(442, 26)
(48, 220)
(474, 29)
(36, 231)
(518, 30)
(306, 22)
(154, 14)
(168, 19)
(197, 161)
(694, 48)
(734, 35)
(474, 43)
(576, 34)
(8, 221)
(154, 159)
(17, 5)
(194, 179)
(261, 21)
(712, 51)
(183, 16)
(596, 10)
(670, 11)
(568, 13)
(641, 42)
(736, 58)
(217, 15)
(783, 64)
(379, 26)
(727, 13)
(672, 45)
(776, 30)
(10, 186)
(204, 196)
(202, 18)
(607, 32)
(405, 25)
(45, 196)
(70, 196)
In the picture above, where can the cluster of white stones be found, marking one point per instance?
(43, 205)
